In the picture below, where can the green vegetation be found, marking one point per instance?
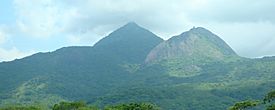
(244, 105)
(269, 97)
(267, 101)
(133, 106)
(271, 107)
(21, 108)
(73, 106)
(199, 72)
(80, 105)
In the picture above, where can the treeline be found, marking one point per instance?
(267, 102)
(81, 105)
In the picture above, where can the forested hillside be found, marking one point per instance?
(195, 70)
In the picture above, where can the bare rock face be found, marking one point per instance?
(196, 43)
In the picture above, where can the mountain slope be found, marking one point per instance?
(186, 54)
(197, 42)
(97, 69)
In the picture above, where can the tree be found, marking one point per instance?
(271, 107)
(244, 105)
(269, 97)
(267, 101)
(15, 107)
(80, 105)
(133, 106)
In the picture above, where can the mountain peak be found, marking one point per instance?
(197, 42)
(195, 32)
(201, 30)
(128, 32)
(198, 29)
(132, 24)
(131, 40)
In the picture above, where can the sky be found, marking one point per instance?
(30, 26)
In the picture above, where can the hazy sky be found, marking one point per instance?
(29, 26)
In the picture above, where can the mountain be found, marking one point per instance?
(131, 42)
(96, 68)
(197, 42)
(195, 70)
(185, 54)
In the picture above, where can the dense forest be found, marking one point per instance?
(83, 106)
(267, 102)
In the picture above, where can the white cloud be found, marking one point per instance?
(11, 54)
(75, 40)
(234, 11)
(249, 39)
(83, 38)
(42, 18)
(2, 37)
(246, 25)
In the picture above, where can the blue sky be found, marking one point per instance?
(30, 26)
(7, 12)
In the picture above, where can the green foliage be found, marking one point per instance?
(250, 104)
(80, 105)
(21, 108)
(244, 105)
(133, 106)
(73, 106)
(271, 107)
(270, 96)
